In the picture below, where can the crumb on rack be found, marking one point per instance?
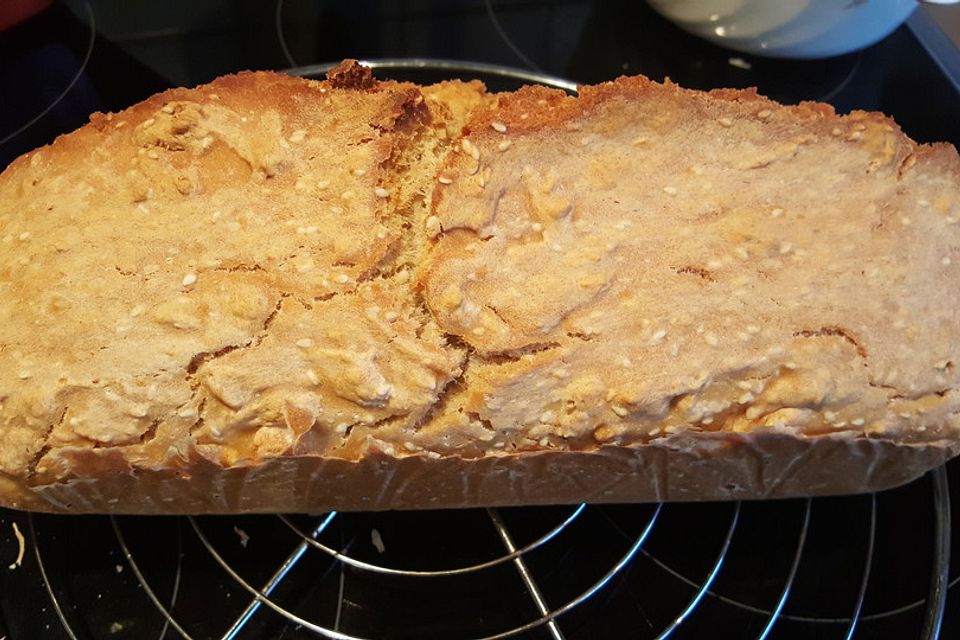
(21, 547)
(377, 541)
(244, 537)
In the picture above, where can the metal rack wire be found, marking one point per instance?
(549, 615)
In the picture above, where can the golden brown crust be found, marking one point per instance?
(762, 265)
(325, 285)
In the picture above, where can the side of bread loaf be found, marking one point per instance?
(274, 294)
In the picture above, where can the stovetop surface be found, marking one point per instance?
(788, 569)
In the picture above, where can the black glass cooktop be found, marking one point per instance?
(852, 567)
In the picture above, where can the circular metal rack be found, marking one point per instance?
(546, 572)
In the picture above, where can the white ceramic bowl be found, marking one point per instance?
(789, 28)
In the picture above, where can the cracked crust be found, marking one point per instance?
(269, 294)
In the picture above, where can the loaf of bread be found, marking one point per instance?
(277, 294)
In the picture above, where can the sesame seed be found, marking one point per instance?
(167, 108)
(504, 145)
(499, 127)
(830, 415)
(745, 384)
(444, 180)
(8, 238)
(312, 376)
(323, 184)
(619, 410)
(343, 278)
(336, 210)
(658, 336)
(547, 416)
(346, 195)
(23, 375)
(390, 316)
(743, 337)
(946, 261)
(905, 221)
(359, 172)
(725, 122)
(152, 154)
(711, 339)
(753, 413)
(186, 412)
(776, 213)
(860, 127)
(670, 191)
(137, 310)
(380, 192)
(119, 125)
(470, 149)
(556, 247)
(785, 248)
(835, 131)
(189, 279)
(640, 140)
(625, 362)
(742, 253)
(714, 264)
(765, 114)
(298, 135)
(856, 135)
(24, 236)
(537, 227)
(304, 343)
(524, 116)
(148, 122)
(478, 331)
(745, 398)
(858, 422)
(752, 328)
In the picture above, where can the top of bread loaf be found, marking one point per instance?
(268, 266)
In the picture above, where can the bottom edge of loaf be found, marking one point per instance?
(684, 467)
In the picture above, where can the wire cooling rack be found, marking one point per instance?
(873, 566)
